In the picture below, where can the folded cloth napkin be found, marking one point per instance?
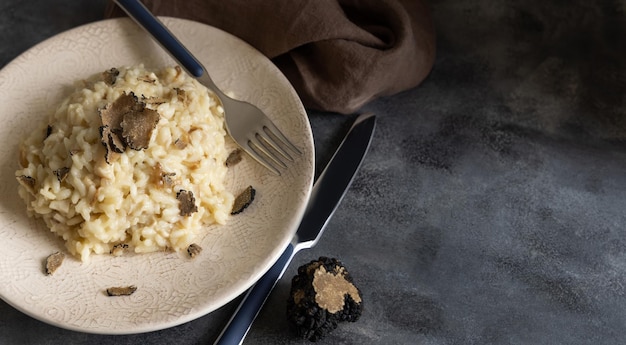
(337, 54)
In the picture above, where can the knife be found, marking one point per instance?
(326, 195)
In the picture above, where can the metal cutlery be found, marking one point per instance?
(327, 193)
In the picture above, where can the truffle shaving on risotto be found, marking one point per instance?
(132, 157)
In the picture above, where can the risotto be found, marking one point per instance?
(131, 158)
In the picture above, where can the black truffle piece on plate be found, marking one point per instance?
(243, 200)
(187, 204)
(118, 249)
(109, 76)
(194, 250)
(126, 122)
(322, 295)
(121, 290)
(61, 174)
(137, 128)
(234, 157)
(27, 182)
(53, 262)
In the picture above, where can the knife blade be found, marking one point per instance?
(327, 193)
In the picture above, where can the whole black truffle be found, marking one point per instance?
(322, 295)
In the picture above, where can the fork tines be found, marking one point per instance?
(270, 146)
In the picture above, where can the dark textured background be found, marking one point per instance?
(491, 207)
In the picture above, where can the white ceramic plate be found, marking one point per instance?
(172, 289)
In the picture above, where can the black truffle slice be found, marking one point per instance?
(194, 250)
(61, 174)
(187, 203)
(111, 142)
(126, 122)
(243, 200)
(27, 182)
(182, 96)
(118, 249)
(322, 295)
(110, 76)
(121, 290)
(161, 178)
(137, 128)
(168, 179)
(53, 262)
(112, 114)
(234, 157)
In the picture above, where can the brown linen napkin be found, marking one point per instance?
(338, 54)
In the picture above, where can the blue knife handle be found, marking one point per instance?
(239, 324)
(140, 14)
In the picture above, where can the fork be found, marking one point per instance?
(249, 127)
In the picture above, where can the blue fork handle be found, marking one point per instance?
(142, 16)
(239, 324)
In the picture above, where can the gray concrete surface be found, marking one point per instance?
(491, 207)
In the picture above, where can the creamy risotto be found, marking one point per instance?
(131, 158)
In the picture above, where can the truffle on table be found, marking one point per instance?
(322, 295)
